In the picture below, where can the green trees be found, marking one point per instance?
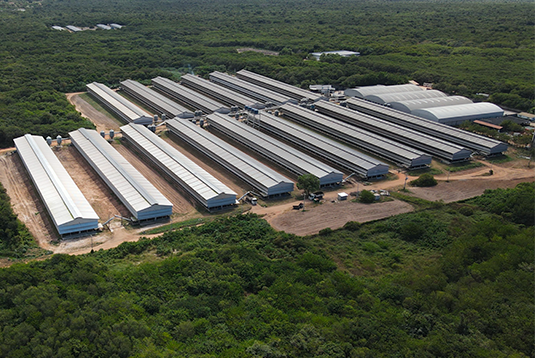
(308, 183)
(366, 197)
(424, 180)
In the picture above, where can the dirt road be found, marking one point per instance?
(102, 121)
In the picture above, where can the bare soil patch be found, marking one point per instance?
(335, 215)
(102, 121)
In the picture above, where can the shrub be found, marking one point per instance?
(424, 180)
(366, 197)
(352, 226)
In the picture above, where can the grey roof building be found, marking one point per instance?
(157, 101)
(202, 186)
(69, 210)
(188, 96)
(463, 138)
(119, 105)
(460, 113)
(398, 153)
(263, 179)
(141, 198)
(274, 150)
(331, 150)
(408, 106)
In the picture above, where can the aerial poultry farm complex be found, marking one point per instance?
(251, 114)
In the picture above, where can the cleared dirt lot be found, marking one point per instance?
(102, 121)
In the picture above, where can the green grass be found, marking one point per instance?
(453, 168)
(500, 159)
(178, 225)
(419, 203)
(417, 172)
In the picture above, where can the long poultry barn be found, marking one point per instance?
(141, 198)
(119, 105)
(278, 86)
(248, 89)
(294, 160)
(333, 151)
(463, 138)
(188, 96)
(398, 153)
(69, 210)
(220, 93)
(201, 185)
(263, 179)
(157, 101)
(438, 147)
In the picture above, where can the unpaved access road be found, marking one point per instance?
(102, 121)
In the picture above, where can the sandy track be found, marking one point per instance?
(99, 119)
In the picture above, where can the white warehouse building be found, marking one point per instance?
(463, 112)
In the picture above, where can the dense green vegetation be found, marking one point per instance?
(453, 281)
(462, 47)
(424, 180)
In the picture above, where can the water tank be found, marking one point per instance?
(201, 122)
(311, 106)
(58, 139)
(255, 111)
(234, 109)
(343, 104)
(49, 140)
(103, 134)
(112, 133)
(276, 113)
(155, 118)
(246, 108)
(164, 117)
(152, 128)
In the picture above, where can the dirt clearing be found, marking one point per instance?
(102, 121)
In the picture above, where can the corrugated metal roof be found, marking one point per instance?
(118, 104)
(472, 110)
(455, 135)
(249, 89)
(364, 91)
(410, 105)
(277, 86)
(385, 98)
(155, 100)
(294, 160)
(203, 186)
(341, 154)
(188, 96)
(142, 199)
(391, 150)
(218, 92)
(419, 140)
(263, 178)
(69, 209)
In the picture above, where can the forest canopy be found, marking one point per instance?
(465, 48)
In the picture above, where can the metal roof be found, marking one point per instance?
(364, 91)
(263, 179)
(466, 139)
(322, 146)
(432, 145)
(206, 189)
(223, 94)
(408, 106)
(118, 104)
(251, 90)
(290, 158)
(398, 153)
(155, 100)
(460, 112)
(277, 86)
(188, 96)
(140, 197)
(403, 96)
(69, 209)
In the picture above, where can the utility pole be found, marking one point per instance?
(405, 184)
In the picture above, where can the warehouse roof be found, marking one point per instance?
(334, 151)
(455, 135)
(69, 209)
(294, 160)
(391, 150)
(140, 197)
(200, 184)
(460, 112)
(277, 86)
(419, 140)
(118, 104)
(188, 96)
(260, 176)
(155, 100)
(364, 91)
(384, 98)
(218, 92)
(250, 90)
(408, 106)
